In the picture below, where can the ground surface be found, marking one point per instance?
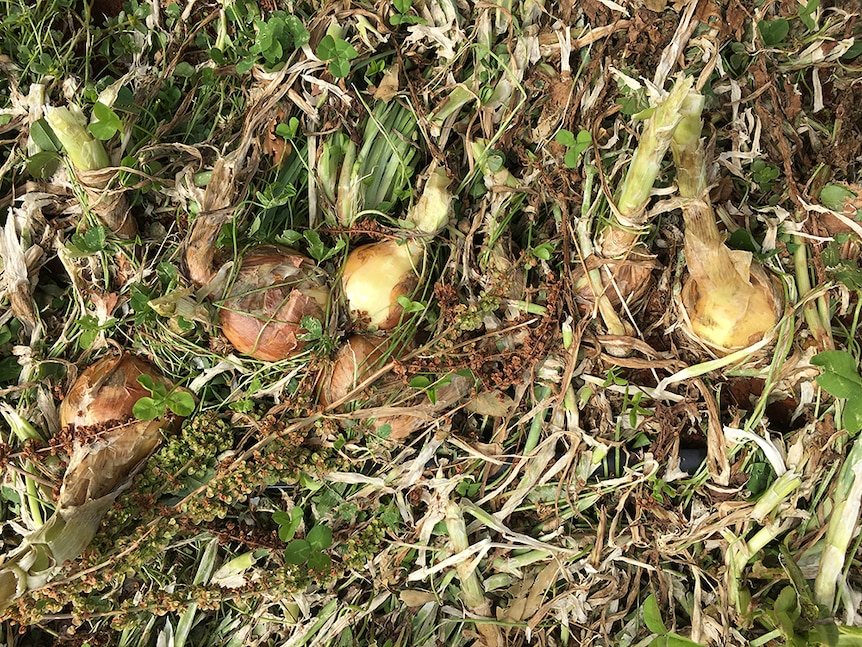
(512, 469)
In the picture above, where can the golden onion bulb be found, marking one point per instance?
(728, 301)
(274, 289)
(107, 390)
(375, 275)
(731, 315)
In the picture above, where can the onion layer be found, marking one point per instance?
(274, 289)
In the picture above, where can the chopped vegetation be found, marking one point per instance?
(430, 323)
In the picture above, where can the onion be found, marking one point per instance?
(627, 280)
(357, 358)
(274, 289)
(107, 390)
(728, 301)
(98, 470)
(375, 275)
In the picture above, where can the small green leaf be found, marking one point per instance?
(854, 51)
(571, 159)
(345, 50)
(244, 65)
(43, 136)
(184, 69)
(297, 30)
(409, 306)
(786, 600)
(675, 640)
(288, 524)
(94, 238)
(839, 386)
(834, 196)
(297, 552)
(319, 562)
(420, 382)
(314, 328)
(806, 14)
(43, 165)
(339, 68)
(148, 409)
(181, 403)
(319, 537)
(147, 382)
(852, 415)
(107, 123)
(837, 361)
(652, 616)
(742, 239)
(773, 32)
(326, 48)
(565, 137)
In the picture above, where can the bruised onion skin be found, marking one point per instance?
(107, 390)
(355, 360)
(274, 289)
(628, 280)
(375, 275)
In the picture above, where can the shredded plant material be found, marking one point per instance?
(429, 322)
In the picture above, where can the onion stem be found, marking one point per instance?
(816, 314)
(611, 319)
(89, 158)
(846, 504)
(629, 220)
(471, 587)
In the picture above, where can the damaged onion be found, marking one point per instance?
(354, 362)
(107, 390)
(275, 288)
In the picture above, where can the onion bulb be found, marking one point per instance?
(96, 473)
(627, 280)
(355, 360)
(728, 301)
(274, 289)
(375, 275)
(107, 390)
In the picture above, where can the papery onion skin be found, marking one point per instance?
(107, 390)
(626, 281)
(375, 275)
(274, 289)
(355, 360)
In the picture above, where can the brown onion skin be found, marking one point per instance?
(107, 390)
(355, 360)
(274, 289)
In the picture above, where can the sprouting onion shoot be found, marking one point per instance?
(89, 158)
(630, 219)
